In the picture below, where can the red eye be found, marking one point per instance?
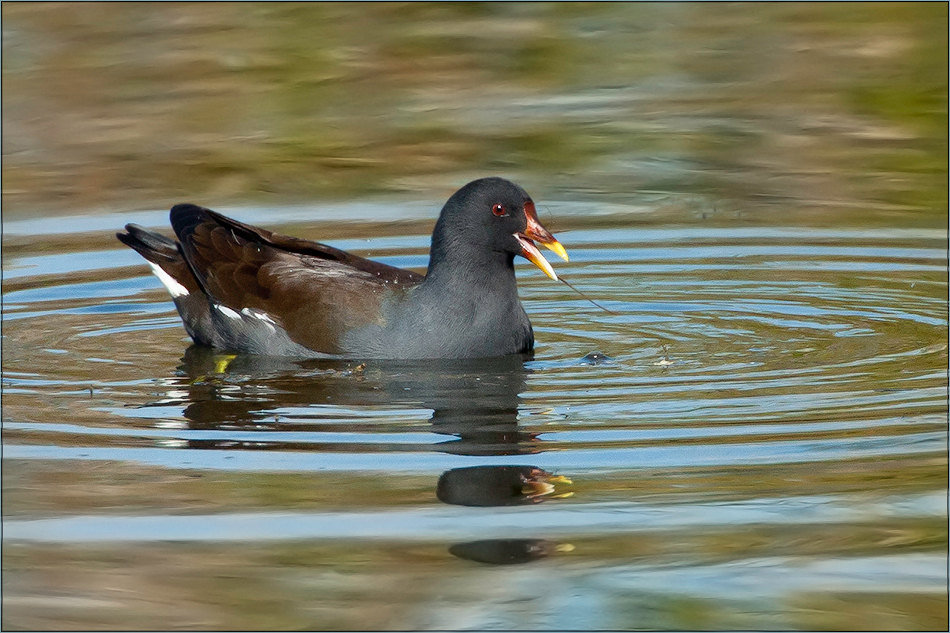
(499, 209)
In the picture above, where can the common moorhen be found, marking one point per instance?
(244, 289)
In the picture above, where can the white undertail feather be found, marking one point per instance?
(174, 288)
(226, 311)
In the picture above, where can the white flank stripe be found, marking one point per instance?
(260, 316)
(226, 311)
(257, 314)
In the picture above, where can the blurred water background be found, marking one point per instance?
(757, 191)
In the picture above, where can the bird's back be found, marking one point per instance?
(265, 293)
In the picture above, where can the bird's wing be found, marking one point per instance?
(258, 281)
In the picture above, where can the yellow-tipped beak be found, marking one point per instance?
(534, 232)
(537, 488)
(533, 255)
(557, 248)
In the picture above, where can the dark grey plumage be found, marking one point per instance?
(244, 289)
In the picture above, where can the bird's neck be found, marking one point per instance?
(470, 269)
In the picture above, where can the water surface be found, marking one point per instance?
(753, 437)
(761, 441)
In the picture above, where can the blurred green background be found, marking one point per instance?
(818, 107)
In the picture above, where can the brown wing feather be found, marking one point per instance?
(316, 249)
(314, 292)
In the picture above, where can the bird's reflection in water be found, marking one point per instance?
(508, 551)
(492, 486)
(475, 401)
(488, 486)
